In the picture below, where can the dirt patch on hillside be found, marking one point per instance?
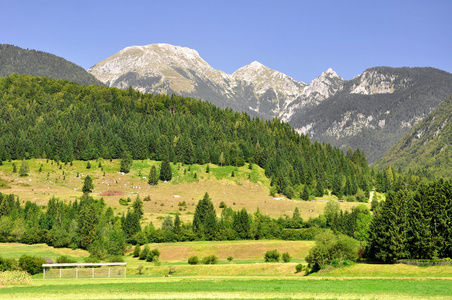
(112, 193)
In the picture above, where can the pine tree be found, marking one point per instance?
(126, 163)
(24, 168)
(165, 171)
(177, 224)
(153, 178)
(88, 185)
(388, 229)
(205, 218)
(305, 194)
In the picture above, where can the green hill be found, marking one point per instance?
(14, 59)
(427, 146)
(64, 121)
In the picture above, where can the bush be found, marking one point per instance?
(210, 260)
(299, 268)
(193, 260)
(286, 257)
(230, 258)
(116, 258)
(153, 255)
(271, 256)
(350, 198)
(31, 264)
(144, 253)
(8, 264)
(64, 260)
(136, 251)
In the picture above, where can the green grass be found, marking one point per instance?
(229, 288)
(16, 250)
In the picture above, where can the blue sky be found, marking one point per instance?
(299, 38)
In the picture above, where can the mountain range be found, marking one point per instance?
(370, 112)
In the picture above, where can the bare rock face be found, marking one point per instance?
(371, 111)
(164, 68)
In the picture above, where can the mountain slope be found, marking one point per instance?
(14, 59)
(168, 69)
(372, 111)
(426, 146)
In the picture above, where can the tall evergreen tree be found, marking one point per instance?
(205, 218)
(165, 171)
(88, 185)
(153, 177)
(126, 163)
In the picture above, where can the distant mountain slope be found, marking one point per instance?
(14, 59)
(426, 146)
(372, 111)
(168, 69)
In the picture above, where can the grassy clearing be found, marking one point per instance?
(248, 189)
(239, 250)
(16, 250)
(377, 270)
(226, 288)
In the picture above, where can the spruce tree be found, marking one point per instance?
(88, 185)
(153, 177)
(205, 218)
(126, 163)
(24, 168)
(165, 171)
(305, 194)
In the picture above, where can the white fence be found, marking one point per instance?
(85, 270)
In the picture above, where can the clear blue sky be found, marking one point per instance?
(299, 38)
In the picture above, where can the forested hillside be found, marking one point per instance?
(65, 121)
(14, 59)
(427, 146)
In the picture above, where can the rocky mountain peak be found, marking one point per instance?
(324, 86)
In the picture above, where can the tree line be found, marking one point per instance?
(64, 121)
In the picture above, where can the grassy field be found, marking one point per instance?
(229, 288)
(247, 189)
(246, 277)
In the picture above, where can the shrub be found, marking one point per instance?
(299, 268)
(286, 257)
(210, 260)
(230, 258)
(140, 269)
(116, 258)
(144, 253)
(31, 264)
(136, 251)
(64, 260)
(350, 198)
(8, 264)
(92, 259)
(271, 256)
(123, 201)
(193, 260)
(153, 255)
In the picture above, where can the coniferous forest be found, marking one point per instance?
(63, 121)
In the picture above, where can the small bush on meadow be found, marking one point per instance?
(8, 264)
(286, 257)
(116, 258)
(193, 260)
(65, 260)
(31, 264)
(299, 268)
(210, 260)
(230, 258)
(271, 256)
(153, 255)
(144, 253)
(136, 251)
